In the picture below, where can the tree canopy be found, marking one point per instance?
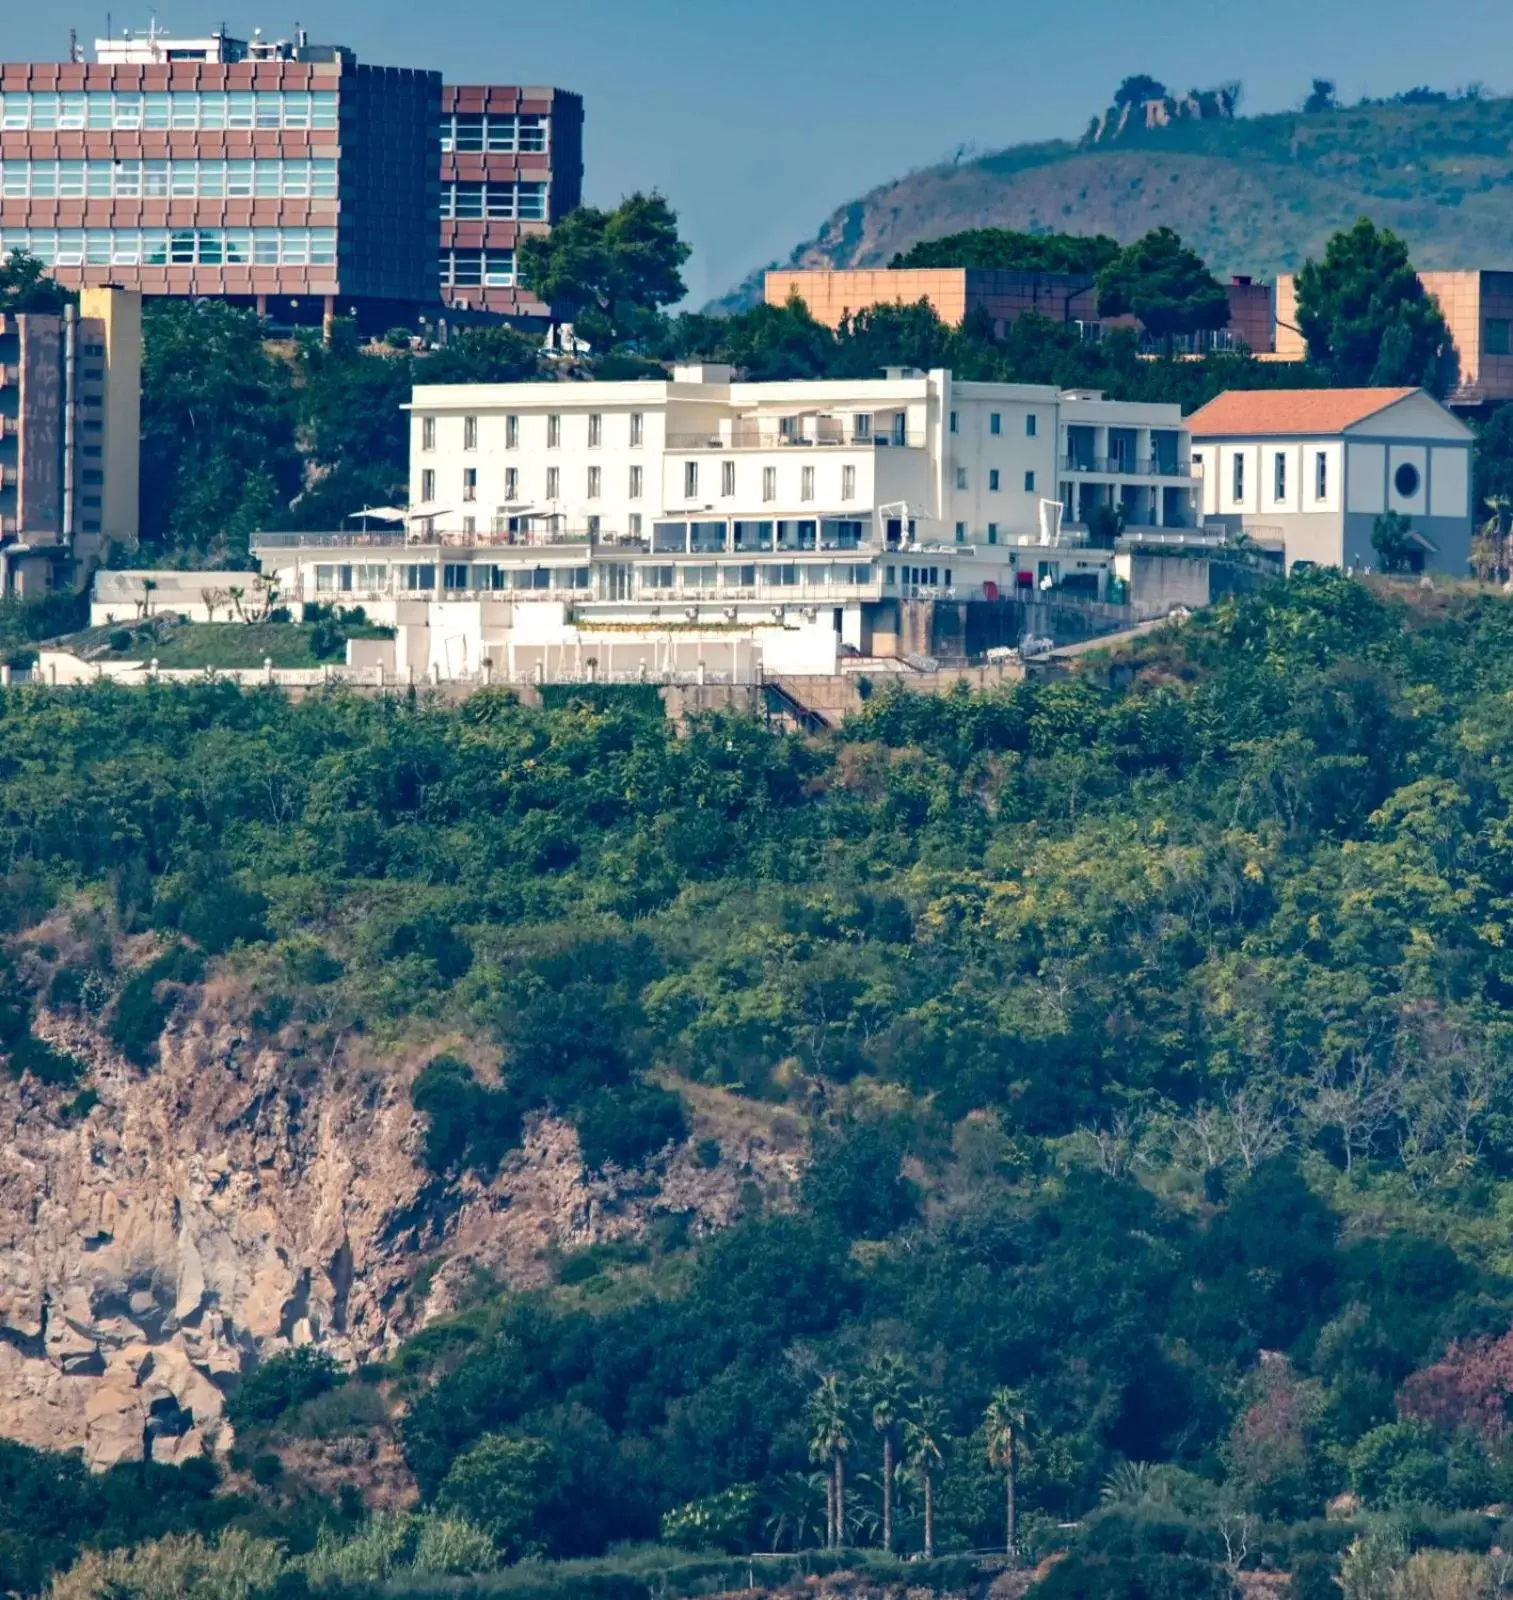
(1002, 249)
(1368, 319)
(1165, 284)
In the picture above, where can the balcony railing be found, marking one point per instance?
(772, 438)
(1127, 466)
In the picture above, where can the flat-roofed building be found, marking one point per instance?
(955, 293)
(70, 397)
(511, 167)
(1307, 472)
(283, 175)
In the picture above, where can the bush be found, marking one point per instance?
(281, 1383)
(469, 1127)
(140, 1012)
(724, 1521)
(119, 639)
(351, 1408)
(622, 1127)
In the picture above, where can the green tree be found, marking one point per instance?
(1138, 88)
(25, 285)
(1367, 317)
(219, 458)
(923, 1432)
(1004, 250)
(609, 272)
(482, 355)
(1390, 539)
(827, 1418)
(883, 1391)
(1005, 1423)
(1320, 97)
(1159, 280)
(498, 1485)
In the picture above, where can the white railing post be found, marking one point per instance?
(268, 669)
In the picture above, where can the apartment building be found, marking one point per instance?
(70, 394)
(282, 175)
(1306, 473)
(957, 292)
(1478, 306)
(799, 516)
(511, 166)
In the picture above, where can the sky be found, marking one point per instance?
(756, 121)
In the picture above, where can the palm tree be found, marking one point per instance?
(884, 1386)
(829, 1417)
(1005, 1424)
(922, 1435)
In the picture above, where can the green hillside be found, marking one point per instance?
(1254, 194)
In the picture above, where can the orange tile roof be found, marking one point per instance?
(1239, 413)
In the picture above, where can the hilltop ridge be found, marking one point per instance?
(1252, 194)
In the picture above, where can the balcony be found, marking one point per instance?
(771, 436)
(1127, 466)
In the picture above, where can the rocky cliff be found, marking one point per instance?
(242, 1197)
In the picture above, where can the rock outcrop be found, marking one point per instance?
(243, 1197)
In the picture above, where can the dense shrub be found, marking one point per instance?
(281, 1383)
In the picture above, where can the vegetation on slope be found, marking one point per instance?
(1251, 194)
(1154, 1042)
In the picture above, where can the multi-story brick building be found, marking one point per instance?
(70, 390)
(282, 175)
(511, 165)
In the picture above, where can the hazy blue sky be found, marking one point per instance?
(757, 120)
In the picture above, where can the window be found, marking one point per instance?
(593, 533)
(806, 483)
(470, 483)
(690, 479)
(1029, 426)
(1237, 486)
(635, 483)
(953, 422)
(992, 533)
(993, 481)
(995, 423)
(1279, 476)
(470, 433)
(861, 428)
(769, 484)
(595, 430)
(428, 433)
(727, 478)
(1406, 480)
(848, 483)
(1495, 339)
(637, 429)
(511, 484)
(961, 477)
(633, 524)
(1029, 483)
(553, 431)
(454, 576)
(594, 481)
(553, 483)
(470, 525)
(961, 533)
(1321, 476)
(427, 486)
(512, 433)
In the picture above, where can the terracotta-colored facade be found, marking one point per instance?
(370, 241)
(525, 174)
(1004, 296)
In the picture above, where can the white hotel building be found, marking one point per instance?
(780, 525)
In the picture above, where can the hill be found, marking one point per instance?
(534, 1130)
(1253, 194)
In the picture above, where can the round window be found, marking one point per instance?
(1405, 480)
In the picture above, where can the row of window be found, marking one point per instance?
(995, 423)
(373, 577)
(995, 480)
(180, 109)
(151, 180)
(470, 202)
(595, 420)
(205, 247)
(474, 269)
(1320, 477)
(470, 134)
(594, 483)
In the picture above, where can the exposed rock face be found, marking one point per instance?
(239, 1199)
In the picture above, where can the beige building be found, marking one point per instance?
(70, 402)
(1306, 472)
(1479, 309)
(955, 292)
